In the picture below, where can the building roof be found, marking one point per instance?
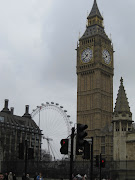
(18, 122)
(94, 30)
(121, 104)
(95, 11)
(23, 123)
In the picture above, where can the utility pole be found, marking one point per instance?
(91, 172)
(71, 156)
(100, 165)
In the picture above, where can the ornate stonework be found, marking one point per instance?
(123, 134)
(95, 83)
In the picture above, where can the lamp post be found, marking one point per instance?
(26, 157)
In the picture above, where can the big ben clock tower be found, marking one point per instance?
(95, 83)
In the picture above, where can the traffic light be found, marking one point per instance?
(97, 161)
(86, 150)
(102, 162)
(64, 146)
(30, 153)
(21, 151)
(81, 134)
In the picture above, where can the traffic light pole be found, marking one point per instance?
(71, 156)
(26, 157)
(91, 171)
(100, 165)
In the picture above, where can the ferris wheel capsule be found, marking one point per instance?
(55, 125)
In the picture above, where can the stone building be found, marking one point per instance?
(123, 137)
(95, 83)
(16, 129)
(112, 132)
(123, 132)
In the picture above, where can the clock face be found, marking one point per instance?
(86, 55)
(106, 56)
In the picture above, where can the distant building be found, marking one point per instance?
(123, 136)
(124, 133)
(45, 156)
(16, 129)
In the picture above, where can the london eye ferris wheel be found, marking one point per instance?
(55, 124)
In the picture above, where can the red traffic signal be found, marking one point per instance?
(63, 141)
(102, 162)
(64, 146)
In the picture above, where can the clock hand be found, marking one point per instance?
(85, 56)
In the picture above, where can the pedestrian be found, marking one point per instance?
(23, 176)
(84, 177)
(1, 176)
(39, 177)
(35, 177)
(14, 177)
(79, 177)
(6, 176)
(10, 176)
(27, 176)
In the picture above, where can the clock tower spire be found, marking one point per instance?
(95, 83)
(95, 11)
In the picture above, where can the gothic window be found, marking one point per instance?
(1, 119)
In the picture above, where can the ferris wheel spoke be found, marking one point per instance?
(55, 125)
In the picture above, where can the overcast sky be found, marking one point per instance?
(38, 39)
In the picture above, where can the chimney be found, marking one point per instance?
(26, 114)
(12, 110)
(6, 104)
(5, 109)
(27, 109)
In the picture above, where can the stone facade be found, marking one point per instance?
(123, 137)
(16, 129)
(95, 83)
(123, 131)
